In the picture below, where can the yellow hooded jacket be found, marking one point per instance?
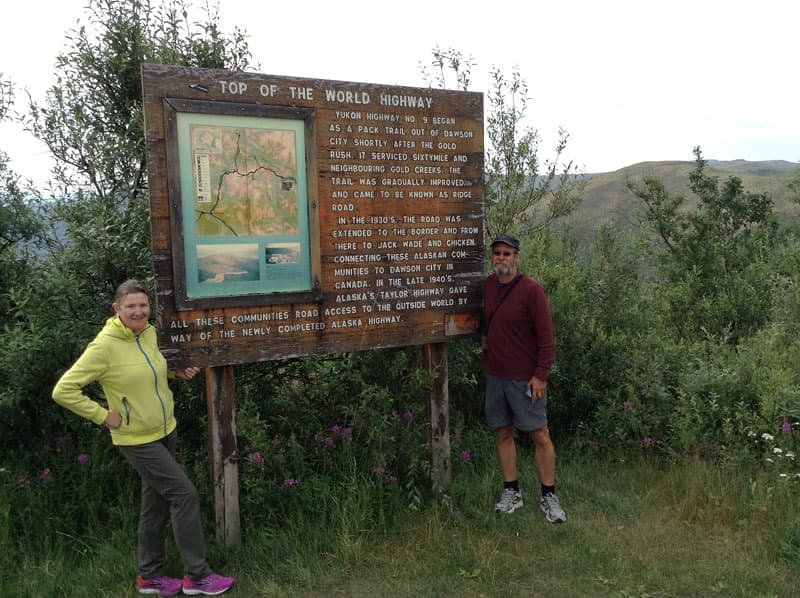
(133, 374)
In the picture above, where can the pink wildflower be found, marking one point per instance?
(46, 477)
(288, 483)
(256, 459)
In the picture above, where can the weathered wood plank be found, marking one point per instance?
(222, 450)
(435, 358)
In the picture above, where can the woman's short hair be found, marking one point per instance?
(129, 286)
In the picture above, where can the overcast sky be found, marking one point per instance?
(630, 80)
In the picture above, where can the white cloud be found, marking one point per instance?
(629, 80)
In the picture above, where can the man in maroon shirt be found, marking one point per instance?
(519, 349)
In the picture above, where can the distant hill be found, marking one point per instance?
(608, 201)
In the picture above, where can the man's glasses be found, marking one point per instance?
(503, 253)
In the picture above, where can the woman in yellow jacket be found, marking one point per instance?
(124, 358)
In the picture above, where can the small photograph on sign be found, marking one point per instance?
(282, 253)
(227, 263)
(283, 262)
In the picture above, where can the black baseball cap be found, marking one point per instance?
(508, 240)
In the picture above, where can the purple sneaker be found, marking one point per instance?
(211, 585)
(161, 586)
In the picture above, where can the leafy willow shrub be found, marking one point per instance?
(321, 423)
(700, 398)
(634, 412)
(758, 379)
(56, 313)
(600, 311)
(713, 263)
(777, 346)
(741, 384)
(626, 375)
(705, 398)
(718, 399)
(776, 374)
(63, 490)
(465, 383)
(773, 432)
(641, 387)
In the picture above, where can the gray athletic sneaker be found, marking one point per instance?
(552, 509)
(510, 501)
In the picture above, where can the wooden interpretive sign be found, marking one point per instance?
(297, 216)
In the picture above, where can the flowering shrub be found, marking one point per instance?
(57, 490)
(328, 423)
(779, 450)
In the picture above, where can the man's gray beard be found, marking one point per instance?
(502, 270)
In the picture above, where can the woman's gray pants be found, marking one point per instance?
(167, 494)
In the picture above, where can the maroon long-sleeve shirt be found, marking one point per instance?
(521, 340)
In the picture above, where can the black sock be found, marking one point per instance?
(548, 489)
(512, 485)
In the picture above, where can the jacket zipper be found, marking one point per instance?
(155, 380)
(127, 406)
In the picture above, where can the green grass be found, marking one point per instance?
(637, 527)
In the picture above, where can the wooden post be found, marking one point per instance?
(435, 357)
(222, 453)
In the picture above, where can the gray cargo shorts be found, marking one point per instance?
(507, 402)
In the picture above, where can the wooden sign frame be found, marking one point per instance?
(373, 233)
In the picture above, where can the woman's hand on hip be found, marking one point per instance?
(113, 420)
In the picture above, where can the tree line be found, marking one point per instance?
(678, 336)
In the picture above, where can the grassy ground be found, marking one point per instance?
(636, 527)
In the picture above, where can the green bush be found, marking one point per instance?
(62, 490)
(346, 419)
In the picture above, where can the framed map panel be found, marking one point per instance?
(243, 212)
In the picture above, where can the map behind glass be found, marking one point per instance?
(245, 181)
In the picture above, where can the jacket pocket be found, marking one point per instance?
(142, 418)
(126, 404)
